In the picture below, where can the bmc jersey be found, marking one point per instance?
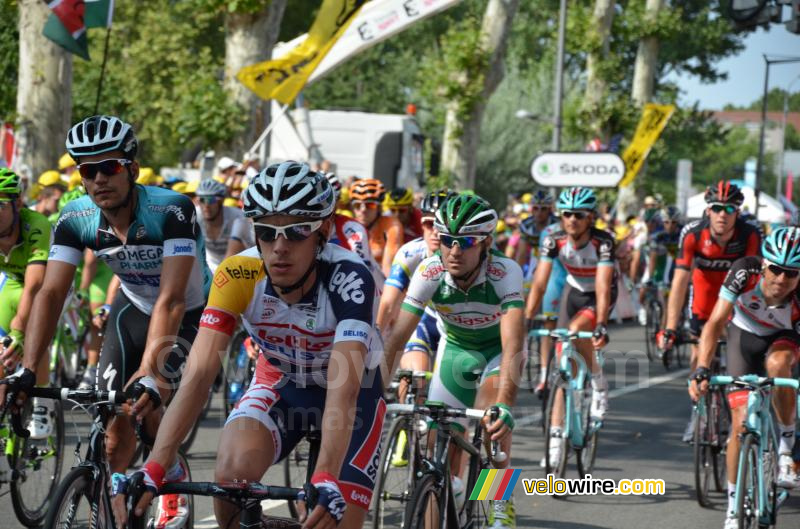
(581, 263)
(710, 262)
(471, 319)
(742, 287)
(216, 248)
(31, 247)
(297, 338)
(164, 225)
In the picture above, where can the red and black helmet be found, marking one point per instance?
(724, 192)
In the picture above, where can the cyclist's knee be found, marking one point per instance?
(353, 517)
(779, 361)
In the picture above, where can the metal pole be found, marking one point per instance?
(783, 134)
(559, 88)
(760, 162)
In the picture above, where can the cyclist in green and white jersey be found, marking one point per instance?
(24, 244)
(477, 293)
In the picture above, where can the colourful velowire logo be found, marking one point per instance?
(495, 484)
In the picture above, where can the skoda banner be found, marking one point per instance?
(591, 169)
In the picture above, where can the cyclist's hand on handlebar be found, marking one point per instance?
(330, 503)
(130, 495)
(698, 385)
(665, 339)
(11, 347)
(14, 391)
(503, 425)
(144, 392)
(600, 336)
(101, 316)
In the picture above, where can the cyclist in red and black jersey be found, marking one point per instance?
(706, 251)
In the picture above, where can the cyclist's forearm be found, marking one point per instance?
(162, 332)
(41, 327)
(604, 278)
(634, 269)
(113, 287)
(512, 333)
(89, 269)
(677, 296)
(651, 264)
(387, 310)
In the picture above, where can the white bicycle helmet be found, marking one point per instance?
(211, 188)
(289, 188)
(99, 134)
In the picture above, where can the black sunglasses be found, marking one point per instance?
(788, 272)
(580, 215)
(110, 167)
(730, 209)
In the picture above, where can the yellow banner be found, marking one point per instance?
(654, 119)
(283, 78)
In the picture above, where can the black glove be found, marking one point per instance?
(23, 380)
(600, 332)
(700, 374)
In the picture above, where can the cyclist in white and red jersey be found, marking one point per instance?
(587, 253)
(308, 305)
(759, 299)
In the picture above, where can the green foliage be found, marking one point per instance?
(164, 75)
(792, 141)
(775, 100)
(9, 59)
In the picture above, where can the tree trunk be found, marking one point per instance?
(596, 84)
(44, 93)
(644, 72)
(462, 132)
(249, 38)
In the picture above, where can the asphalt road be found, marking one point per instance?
(640, 439)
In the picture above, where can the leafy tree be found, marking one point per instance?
(9, 58)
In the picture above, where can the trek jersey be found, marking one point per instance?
(742, 287)
(471, 319)
(164, 225)
(581, 263)
(31, 247)
(297, 338)
(710, 262)
(216, 248)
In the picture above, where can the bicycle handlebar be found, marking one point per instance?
(561, 333)
(754, 381)
(232, 490)
(85, 396)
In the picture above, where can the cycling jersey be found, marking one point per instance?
(297, 338)
(665, 244)
(164, 225)
(581, 263)
(243, 232)
(385, 237)
(413, 229)
(406, 260)
(216, 248)
(31, 247)
(351, 235)
(551, 301)
(710, 262)
(537, 235)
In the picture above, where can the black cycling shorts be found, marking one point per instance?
(125, 340)
(574, 302)
(747, 352)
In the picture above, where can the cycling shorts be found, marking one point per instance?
(10, 294)
(125, 340)
(696, 324)
(551, 302)
(747, 352)
(458, 373)
(288, 410)
(426, 336)
(576, 302)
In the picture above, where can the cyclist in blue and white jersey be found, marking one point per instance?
(151, 240)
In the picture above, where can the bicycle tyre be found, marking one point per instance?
(382, 517)
(649, 335)
(721, 415)
(234, 374)
(32, 513)
(557, 468)
(586, 456)
(476, 512)
(77, 485)
(534, 361)
(295, 472)
(703, 458)
(747, 501)
(427, 494)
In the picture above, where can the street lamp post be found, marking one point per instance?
(558, 95)
(760, 164)
(783, 133)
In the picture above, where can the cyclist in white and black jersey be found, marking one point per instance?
(215, 220)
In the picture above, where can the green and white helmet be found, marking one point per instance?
(465, 214)
(9, 182)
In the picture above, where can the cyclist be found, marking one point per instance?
(591, 288)
(477, 293)
(662, 253)
(308, 305)
(400, 203)
(47, 199)
(24, 244)
(150, 239)
(385, 232)
(530, 228)
(706, 251)
(215, 220)
(759, 298)
(641, 246)
(242, 237)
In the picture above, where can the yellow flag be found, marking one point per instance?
(654, 119)
(283, 78)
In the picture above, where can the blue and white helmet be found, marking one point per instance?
(782, 247)
(289, 188)
(211, 188)
(99, 134)
(542, 197)
(576, 198)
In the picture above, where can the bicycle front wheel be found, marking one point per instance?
(748, 504)
(38, 465)
(396, 474)
(587, 454)
(426, 510)
(555, 457)
(704, 463)
(74, 501)
(295, 473)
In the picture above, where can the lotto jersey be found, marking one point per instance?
(297, 338)
(164, 225)
(471, 319)
(32, 245)
(710, 262)
(742, 287)
(581, 263)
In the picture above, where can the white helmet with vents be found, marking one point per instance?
(289, 188)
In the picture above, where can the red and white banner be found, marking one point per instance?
(377, 21)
